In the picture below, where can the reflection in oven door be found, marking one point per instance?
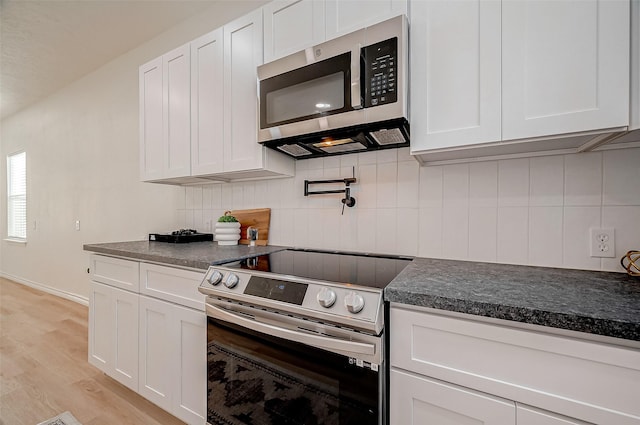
(257, 379)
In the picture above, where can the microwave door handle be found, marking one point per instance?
(356, 101)
(318, 341)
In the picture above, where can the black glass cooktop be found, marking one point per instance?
(339, 267)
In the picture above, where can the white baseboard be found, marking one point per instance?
(45, 288)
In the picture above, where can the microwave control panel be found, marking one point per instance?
(380, 69)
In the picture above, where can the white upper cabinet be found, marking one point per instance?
(242, 55)
(292, 25)
(345, 16)
(491, 78)
(151, 127)
(455, 73)
(207, 109)
(165, 117)
(565, 66)
(177, 116)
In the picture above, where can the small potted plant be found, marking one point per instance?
(227, 230)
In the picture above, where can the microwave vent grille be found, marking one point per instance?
(388, 137)
(294, 150)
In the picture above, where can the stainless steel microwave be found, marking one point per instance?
(346, 95)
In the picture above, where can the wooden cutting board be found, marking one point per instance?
(259, 218)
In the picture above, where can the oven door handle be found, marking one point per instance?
(318, 341)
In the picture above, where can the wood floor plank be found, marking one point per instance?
(44, 369)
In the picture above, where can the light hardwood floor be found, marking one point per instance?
(44, 369)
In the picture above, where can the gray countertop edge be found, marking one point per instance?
(219, 256)
(566, 321)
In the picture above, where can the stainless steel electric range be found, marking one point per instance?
(297, 337)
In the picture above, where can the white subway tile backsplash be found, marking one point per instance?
(386, 229)
(216, 195)
(483, 184)
(316, 228)
(404, 154)
(430, 231)
(367, 229)
(626, 222)
(583, 179)
(366, 188)
(226, 197)
(331, 226)
(513, 235)
(301, 227)
(430, 187)
(369, 157)
(576, 224)
(546, 181)
(349, 230)
(621, 177)
(331, 162)
(408, 182)
(387, 185)
(545, 236)
(534, 211)
(513, 183)
(386, 155)
(407, 231)
(350, 160)
(483, 233)
(455, 230)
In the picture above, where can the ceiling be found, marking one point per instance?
(47, 44)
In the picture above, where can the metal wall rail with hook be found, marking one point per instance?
(348, 200)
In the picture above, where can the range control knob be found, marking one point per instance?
(215, 278)
(326, 297)
(354, 302)
(232, 280)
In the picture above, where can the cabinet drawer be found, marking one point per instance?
(416, 400)
(588, 380)
(115, 272)
(171, 284)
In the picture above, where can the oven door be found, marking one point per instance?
(263, 370)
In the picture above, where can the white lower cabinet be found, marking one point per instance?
(417, 400)
(172, 364)
(463, 370)
(113, 333)
(154, 343)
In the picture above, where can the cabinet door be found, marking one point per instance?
(455, 73)
(156, 352)
(531, 416)
(101, 329)
(242, 54)
(113, 333)
(345, 16)
(634, 123)
(565, 66)
(207, 112)
(151, 138)
(292, 25)
(177, 115)
(417, 400)
(190, 387)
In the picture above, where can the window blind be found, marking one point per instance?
(17, 195)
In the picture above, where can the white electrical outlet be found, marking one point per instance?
(77, 224)
(602, 242)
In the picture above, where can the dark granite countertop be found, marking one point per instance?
(600, 303)
(199, 255)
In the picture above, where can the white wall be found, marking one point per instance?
(532, 211)
(82, 164)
